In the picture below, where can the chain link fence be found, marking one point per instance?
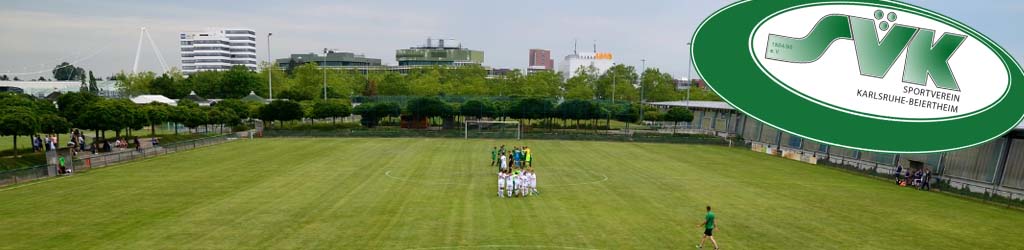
(86, 161)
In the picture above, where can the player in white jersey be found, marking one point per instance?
(501, 184)
(523, 184)
(533, 182)
(509, 183)
(504, 162)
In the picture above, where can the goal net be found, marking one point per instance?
(492, 129)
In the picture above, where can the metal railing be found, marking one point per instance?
(86, 161)
(538, 134)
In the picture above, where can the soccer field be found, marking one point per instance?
(441, 194)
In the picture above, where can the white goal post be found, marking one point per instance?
(480, 123)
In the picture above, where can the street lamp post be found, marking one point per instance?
(325, 73)
(643, 63)
(689, 79)
(614, 81)
(270, 72)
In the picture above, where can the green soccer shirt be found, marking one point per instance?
(710, 218)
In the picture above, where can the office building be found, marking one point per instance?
(332, 60)
(540, 60)
(217, 49)
(446, 52)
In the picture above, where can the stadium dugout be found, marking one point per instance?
(995, 167)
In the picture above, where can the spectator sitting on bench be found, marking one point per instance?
(917, 178)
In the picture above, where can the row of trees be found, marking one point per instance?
(23, 115)
(527, 109)
(306, 82)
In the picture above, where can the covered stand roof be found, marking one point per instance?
(195, 98)
(252, 97)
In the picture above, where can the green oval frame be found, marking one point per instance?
(722, 57)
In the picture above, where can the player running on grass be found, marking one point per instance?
(709, 226)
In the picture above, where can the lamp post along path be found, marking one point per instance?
(270, 71)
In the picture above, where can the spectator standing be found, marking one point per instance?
(35, 143)
(899, 170)
(926, 179)
(138, 145)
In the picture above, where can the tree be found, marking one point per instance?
(188, 103)
(371, 113)
(543, 84)
(477, 108)
(331, 109)
(17, 121)
(72, 105)
(53, 124)
(240, 108)
(135, 83)
(237, 82)
(425, 82)
(628, 113)
(578, 110)
(390, 83)
(194, 117)
(581, 85)
(659, 86)
(67, 72)
(224, 116)
(620, 81)
(531, 108)
(156, 113)
(509, 84)
(84, 87)
(371, 88)
(307, 83)
(427, 107)
(281, 110)
(676, 115)
(92, 84)
(167, 86)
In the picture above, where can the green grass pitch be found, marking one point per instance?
(441, 194)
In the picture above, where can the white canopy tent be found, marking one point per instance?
(146, 99)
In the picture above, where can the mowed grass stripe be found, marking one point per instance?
(335, 194)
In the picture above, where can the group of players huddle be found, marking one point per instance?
(516, 177)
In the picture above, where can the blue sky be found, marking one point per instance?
(41, 33)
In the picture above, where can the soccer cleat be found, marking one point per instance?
(699, 247)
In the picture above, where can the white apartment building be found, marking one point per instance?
(573, 62)
(217, 49)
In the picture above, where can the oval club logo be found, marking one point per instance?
(871, 75)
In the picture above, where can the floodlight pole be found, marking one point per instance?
(325, 73)
(643, 63)
(689, 79)
(270, 72)
(614, 81)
